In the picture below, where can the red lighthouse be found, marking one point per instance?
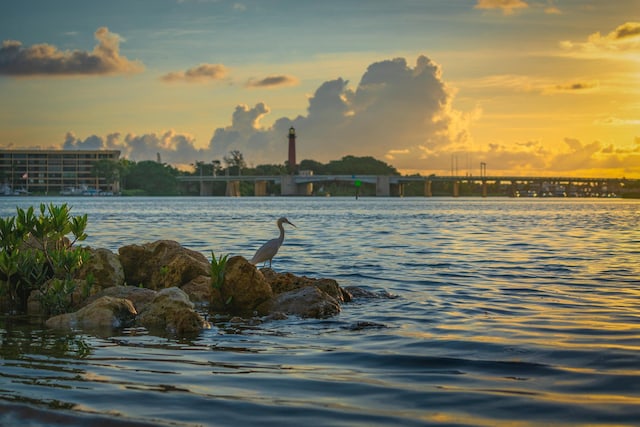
(292, 150)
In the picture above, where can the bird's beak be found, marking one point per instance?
(290, 223)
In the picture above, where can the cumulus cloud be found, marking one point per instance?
(507, 6)
(173, 147)
(272, 82)
(200, 74)
(395, 109)
(398, 112)
(48, 60)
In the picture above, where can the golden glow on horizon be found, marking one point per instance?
(563, 102)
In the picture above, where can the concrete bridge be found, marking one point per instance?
(393, 185)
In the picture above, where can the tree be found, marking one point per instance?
(350, 165)
(107, 169)
(235, 161)
(153, 178)
(312, 165)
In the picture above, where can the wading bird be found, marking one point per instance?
(270, 249)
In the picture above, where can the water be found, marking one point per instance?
(508, 312)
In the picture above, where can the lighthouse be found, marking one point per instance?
(292, 150)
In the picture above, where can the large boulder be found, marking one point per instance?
(244, 288)
(307, 301)
(285, 282)
(171, 311)
(199, 289)
(161, 264)
(139, 297)
(103, 314)
(102, 270)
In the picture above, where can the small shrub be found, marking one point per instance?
(37, 253)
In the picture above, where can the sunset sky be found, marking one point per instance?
(544, 87)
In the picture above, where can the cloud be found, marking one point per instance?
(615, 121)
(174, 148)
(393, 111)
(399, 112)
(272, 81)
(47, 60)
(200, 74)
(520, 83)
(575, 87)
(507, 6)
(624, 39)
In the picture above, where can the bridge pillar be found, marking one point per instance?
(260, 188)
(456, 188)
(383, 186)
(484, 188)
(427, 188)
(288, 185)
(206, 188)
(233, 189)
(397, 190)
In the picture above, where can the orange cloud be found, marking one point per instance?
(200, 74)
(624, 39)
(272, 81)
(47, 60)
(507, 6)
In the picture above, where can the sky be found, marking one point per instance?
(529, 88)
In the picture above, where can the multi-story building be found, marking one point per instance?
(53, 172)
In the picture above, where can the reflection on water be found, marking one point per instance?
(507, 311)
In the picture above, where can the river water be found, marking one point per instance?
(505, 312)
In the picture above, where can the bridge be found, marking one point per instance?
(393, 185)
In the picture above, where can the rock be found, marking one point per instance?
(139, 297)
(171, 311)
(198, 289)
(162, 264)
(102, 314)
(357, 292)
(284, 282)
(102, 270)
(308, 301)
(244, 287)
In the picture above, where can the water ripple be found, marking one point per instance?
(489, 312)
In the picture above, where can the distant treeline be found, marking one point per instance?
(152, 178)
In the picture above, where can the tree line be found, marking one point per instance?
(152, 178)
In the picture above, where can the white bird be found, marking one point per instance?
(270, 248)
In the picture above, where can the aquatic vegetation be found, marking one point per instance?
(38, 254)
(217, 269)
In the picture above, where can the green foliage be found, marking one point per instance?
(37, 253)
(153, 178)
(56, 298)
(107, 169)
(352, 165)
(217, 270)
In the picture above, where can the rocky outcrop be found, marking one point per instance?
(139, 297)
(307, 301)
(161, 264)
(171, 311)
(168, 279)
(199, 289)
(168, 310)
(244, 288)
(247, 291)
(284, 282)
(103, 313)
(103, 270)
